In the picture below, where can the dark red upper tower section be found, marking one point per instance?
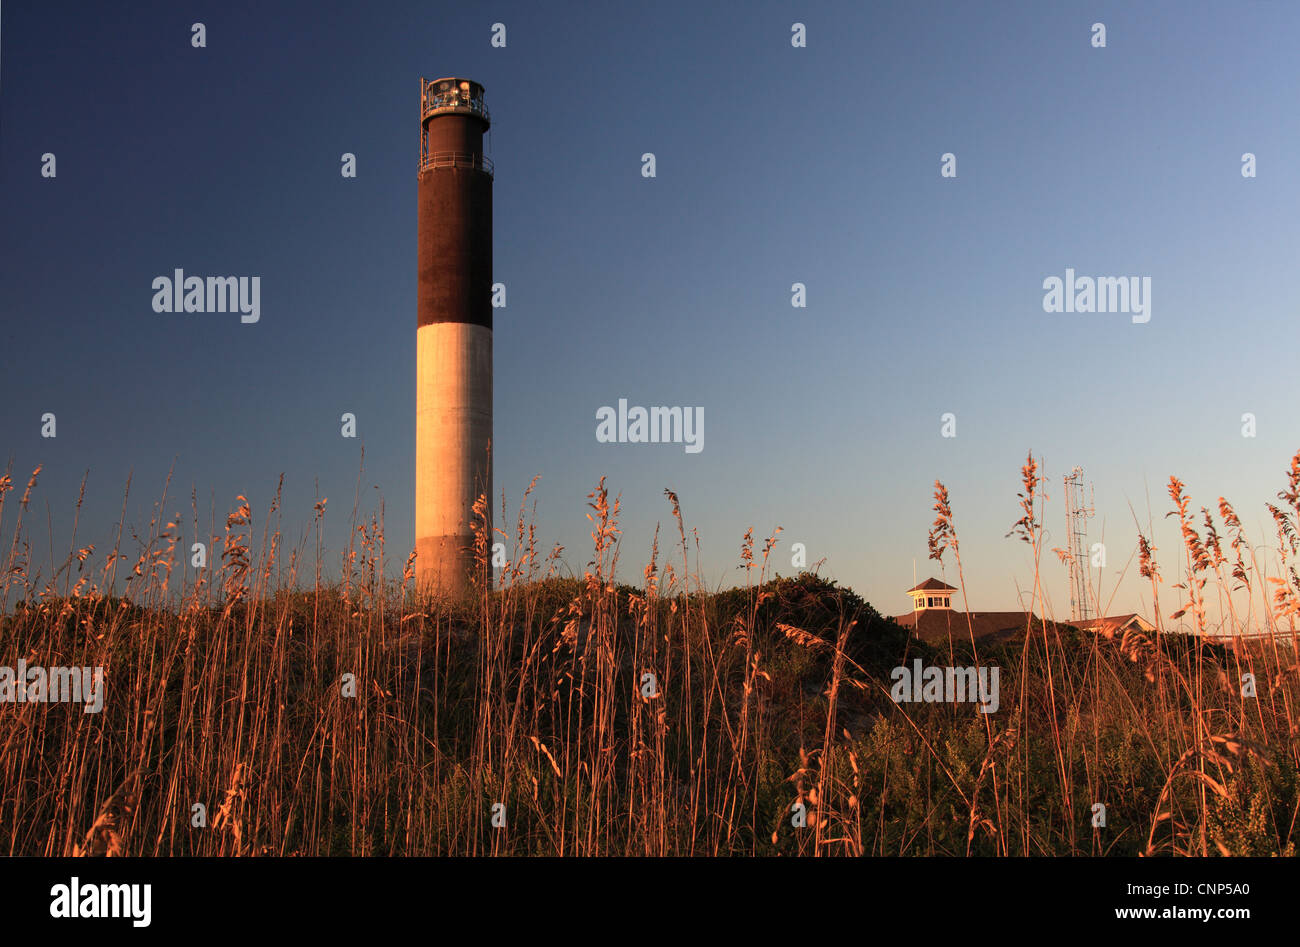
(455, 205)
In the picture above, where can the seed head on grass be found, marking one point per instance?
(1027, 525)
(942, 534)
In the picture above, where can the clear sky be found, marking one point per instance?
(774, 165)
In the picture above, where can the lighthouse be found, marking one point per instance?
(453, 404)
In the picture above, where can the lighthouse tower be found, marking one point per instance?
(453, 407)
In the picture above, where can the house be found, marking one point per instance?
(934, 620)
(1115, 624)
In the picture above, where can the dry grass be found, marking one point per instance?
(607, 719)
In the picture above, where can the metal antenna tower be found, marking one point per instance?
(1077, 520)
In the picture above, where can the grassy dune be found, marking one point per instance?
(659, 718)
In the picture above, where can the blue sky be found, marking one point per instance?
(775, 165)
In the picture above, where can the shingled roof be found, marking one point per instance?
(933, 585)
(1114, 624)
(935, 625)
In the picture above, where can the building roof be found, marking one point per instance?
(933, 585)
(1114, 623)
(937, 625)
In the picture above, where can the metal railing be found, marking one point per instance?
(453, 101)
(456, 159)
